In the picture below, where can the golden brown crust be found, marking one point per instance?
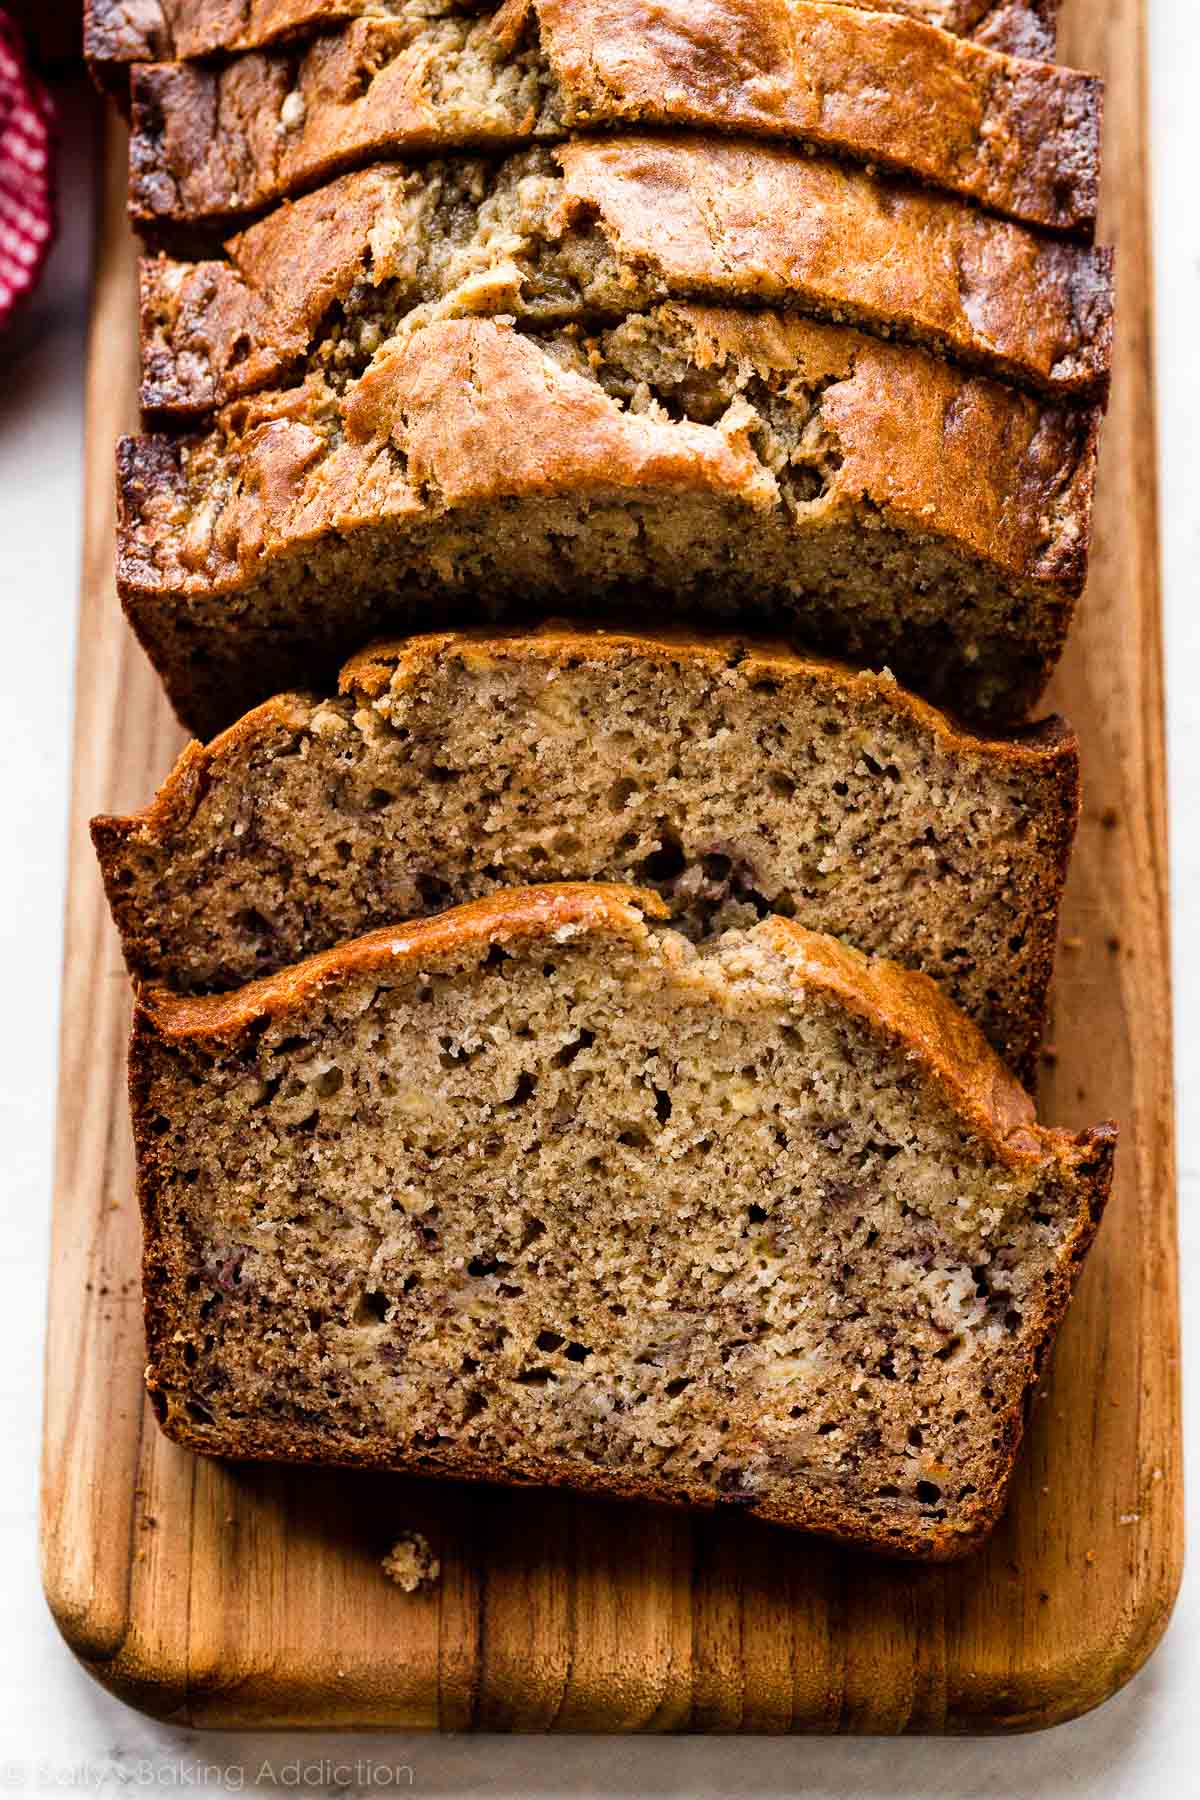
(965, 456)
(127, 31)
(465, 414)
(496, 919)
(712, 217)
(1022, 138)
(984, 289)
(477, 411)
(1018, 27)
(213, 331)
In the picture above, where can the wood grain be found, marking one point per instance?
(218, 1595)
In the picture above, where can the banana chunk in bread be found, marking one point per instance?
(538, 1191)
(114, 34)
(865, 496)
(735, 778)
(1022, 138)
(602, 228)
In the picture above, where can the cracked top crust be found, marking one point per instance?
(465, 411)
(118, 32)
(1020, 137)
(628, 221)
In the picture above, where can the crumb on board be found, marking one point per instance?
(410, 1563)
(1072, 943)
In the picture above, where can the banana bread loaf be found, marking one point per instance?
(537, 1191)
(628, 222)
(114, 34)
(214, 143)
(866, 496)
(735, 778)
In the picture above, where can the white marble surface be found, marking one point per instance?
(58, 1730)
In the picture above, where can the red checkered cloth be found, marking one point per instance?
(26, 173)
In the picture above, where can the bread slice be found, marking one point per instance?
(115, 35)
(734, 777)
(625, 223)
(215, 143)
(1026, 28)
(537, 1191)
(865, 496)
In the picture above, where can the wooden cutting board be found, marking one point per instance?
(222, 1596)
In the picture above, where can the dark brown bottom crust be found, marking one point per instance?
(265, 1441)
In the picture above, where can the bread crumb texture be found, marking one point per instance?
(733, 776)
(540, 1191)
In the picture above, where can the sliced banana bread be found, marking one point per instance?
(1019, 27)
(628, 222)
(214, 143)
(114, 34)
(538, 1191)
(866, 496)
(735, 778)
